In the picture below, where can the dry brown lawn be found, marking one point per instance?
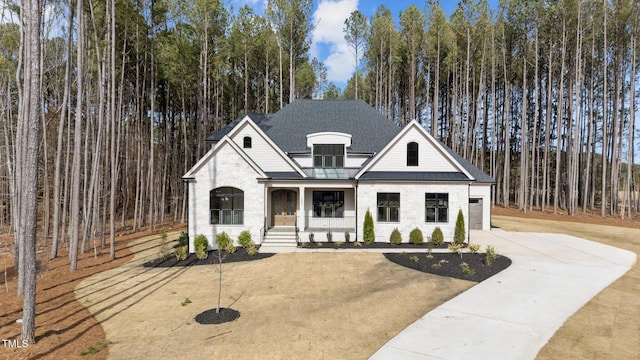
(293, 306)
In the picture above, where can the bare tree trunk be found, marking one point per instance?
(522, 198)
(114, 135)
(74, 227)
(534, 146)
(559, 121)
(63, 120)
(632, 120)
(27, 185)
(590, 131)
(605, 140)
(507, 133)
(547, 134)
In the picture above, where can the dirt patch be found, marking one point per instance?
(607, 327)
(64, 327)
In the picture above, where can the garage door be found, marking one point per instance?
(475, 214)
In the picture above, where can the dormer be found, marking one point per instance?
(328, 149)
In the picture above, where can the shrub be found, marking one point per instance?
(183, 240)
(415, 236)
(181, 252)
(413, 259)
(474, 248)
(223, 240)
(458, 236)
(251, 249)
(396, 237)
(244, 239)
(230, 248)
(467, 270)
(329, 236)
(455, 248)
(490, 255)
(347, 236)
(200, 244)
(368, 234)
(437, 238)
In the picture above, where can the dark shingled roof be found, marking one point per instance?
(284, 175)
(370, 131)
(414, 176)
(478, 174)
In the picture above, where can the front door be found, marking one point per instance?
(283, 207)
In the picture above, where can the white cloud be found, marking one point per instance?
(328, 37)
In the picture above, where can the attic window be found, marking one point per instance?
(328, 156)
(246, 142)
(412, 154)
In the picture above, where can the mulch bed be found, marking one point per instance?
(449, 264)
(212, 258)
(211, 316)
(375, 245)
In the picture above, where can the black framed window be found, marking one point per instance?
(246, 142)
(412, 154)
(328, 156)
(389, 207)
(226, 205)
(436, 207)
(328, 204)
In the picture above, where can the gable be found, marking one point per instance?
(432, 157)
(224, 157)
(262, 152)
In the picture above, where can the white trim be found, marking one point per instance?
(247, 120)
(396, 139)
(190, 175)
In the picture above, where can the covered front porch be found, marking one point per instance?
(318, 209)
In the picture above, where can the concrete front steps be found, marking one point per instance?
(279, 239)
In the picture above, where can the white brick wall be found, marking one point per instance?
(225, 168)
(412, 208)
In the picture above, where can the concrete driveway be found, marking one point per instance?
(513, 314)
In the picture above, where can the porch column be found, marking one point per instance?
(302, 216)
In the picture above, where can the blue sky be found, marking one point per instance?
(327, 39)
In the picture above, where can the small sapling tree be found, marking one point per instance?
(224, 243)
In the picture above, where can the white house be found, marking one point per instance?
(316, 166)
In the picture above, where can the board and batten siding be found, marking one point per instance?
(225, 168)
(261, 152)
(412, 208)
(429, 157)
